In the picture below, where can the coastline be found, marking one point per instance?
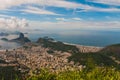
(82, 48)
(81, 45)
(86, 49)
(78, 44)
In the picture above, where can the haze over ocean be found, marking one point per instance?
(86, 37)
(85, 22)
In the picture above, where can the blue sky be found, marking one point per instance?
(60, 14)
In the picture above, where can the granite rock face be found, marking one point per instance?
(21, 39)
(21, 35)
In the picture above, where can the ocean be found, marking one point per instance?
(83, 37)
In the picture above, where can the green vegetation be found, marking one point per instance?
(94, 74)
(93, 59)
(57, 45)
(9, 73)
(107, 57)
(102, 65)
(98, 73)
(101, 58)
(112, 50)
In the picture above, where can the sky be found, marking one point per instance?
(60, 14)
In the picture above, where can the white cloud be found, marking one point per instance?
(74, 33)
(61, 19)
(103, 25)
(69, 19)
(4, 16)
(13, 23)
(109, 2)
(56, 3)
(35, 10)
(77, 19)
(5, 4)
(100, 9)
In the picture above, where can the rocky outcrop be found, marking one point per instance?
(21, 39)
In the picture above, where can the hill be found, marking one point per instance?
(34, 59)
(21, 39)
(57, 45)
(108, 56)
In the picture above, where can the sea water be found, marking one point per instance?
(82, 37)
(87, 37)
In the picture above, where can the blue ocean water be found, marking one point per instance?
(82, 37)
(89, 38)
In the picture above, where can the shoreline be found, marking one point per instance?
(77, 44)
(82, 48)
(81, 45)
(86, 49)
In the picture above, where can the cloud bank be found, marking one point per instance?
(109, 2)
(35, 10)
(13, 23)
(6, 4)
(76, 25)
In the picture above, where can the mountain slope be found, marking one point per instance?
(108, 56)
